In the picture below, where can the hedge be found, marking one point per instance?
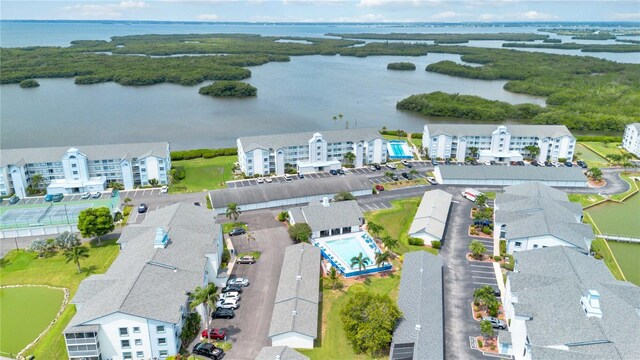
(416, 135)
(202, 153)
(595, 138)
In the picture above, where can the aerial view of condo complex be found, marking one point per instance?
(319, 180)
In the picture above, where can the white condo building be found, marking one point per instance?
(70, 170)
(499, 143)
(309, 152)
(136, 310)
(631, 138)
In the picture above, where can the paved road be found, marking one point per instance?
(249, 330)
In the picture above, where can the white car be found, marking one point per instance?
(227, 304)
(233, 295)
(555, 164)
(404, 162)
(96, 194)
(259, 180)
(371, 168)
(287, 177)
(268, 179)
(164, 189)
(238, 281)
(432, 180)
(85, 195)
(392, 165)
(487, 162)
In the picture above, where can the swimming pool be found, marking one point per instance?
(399, 149)
(347, 248)
(339, 250)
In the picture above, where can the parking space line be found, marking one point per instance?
(482, 272)
(484, 283)
(482, 266)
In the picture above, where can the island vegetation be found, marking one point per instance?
(401, 66)
(582, 34)
(629, 41)
(29, 83)
(229, 89)
(442, 38)
(614, 48)
(552, 41)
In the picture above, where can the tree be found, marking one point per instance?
(477, 249)
(484, 295)
(207, 296)
(333, 279)
(233, 211)
(389, 242)
(389, 173)
(486, 328)
(382, 258)
(481, 200)
(360, 260)
(473, 151)
(116, 186)
(154, 182)
(368, 321)
(374, 228)
(75, 254)
(95, 222)
(627, 164)
(37, 181)
(339, 117)
(343, 196)
(533, 151)
(300, 232)
(615, 158)
(67, 240)
(349, 158)
(127, 200)
(595, 173)
(250, 238)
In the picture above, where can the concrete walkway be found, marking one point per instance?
(416, 151)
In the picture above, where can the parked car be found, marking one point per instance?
(377, 166)
(85, 195)
(394, 177)
(379, 187)
(496, 323)
(486, 162)
(407, 176)
(223, 313)
(556, 164)
(371, 168)
(268, 179)
(260, 180)
(392, 165)
(246, 260)
(568, 164)
(238, 281)
(434, 162)
(96, 195)
(474, 162)
(333, 172)
(513, 163)
(432, 180)
(548, 163)
(14, 199)
(535, 163)
(287, 177)
(142, 208)
(447, 161)
(520, 163)
(214, 334)
(300, 176)
(237, 231)
(582, 164)
(197, 203)
(340, 171)
(164, 189)
(492, 162)
(227, 304)
(407, 164)
(48, 197)
(58, 197)
(208, 350)
(230, 295)
(232, 288)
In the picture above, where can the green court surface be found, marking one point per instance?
(628, 257)
(590, 157)
(618, 218)
(25, 313)
(20, 216)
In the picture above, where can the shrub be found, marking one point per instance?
(497, 258)
(416, 241)
(226, 256)
(227, 88)
(300, 232)
(486, 230)
(416, 135)
(479, 343)
(401, 66)
(591, 138)
(562, 160)
(29, 83)
(503, 247)
(436, 244)
(202, 153)
(283, 216)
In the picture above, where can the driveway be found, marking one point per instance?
(249, 330)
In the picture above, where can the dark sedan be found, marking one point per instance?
(223, 313)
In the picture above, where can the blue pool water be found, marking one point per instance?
(399, 150)
(347, 248)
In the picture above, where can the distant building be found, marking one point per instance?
(310, 152)
(501, 143)
(70, 170)
(509, 175)
(564, 305)
(420, 332)
(631, 138)
(279, 353)
(532, 216)
(137, 309)
(294, 322)
(431, 217)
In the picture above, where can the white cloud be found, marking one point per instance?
(103, 11)
(397, 3)
(134, 4)
(207, 17)
(625, 16)
(534, 15)
(525, 16)
(362, 18)
(447, 15)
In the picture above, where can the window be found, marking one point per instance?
(138, 342)
(160, 328)
(75, 173)
(162, 341)
(518, 244)
(136, 330)
(535, 246)
(140, 354)
(124, 332)
(125, 344)
(126, 355)
(164, 353)
(74, 165)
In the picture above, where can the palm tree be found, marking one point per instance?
(595, 173)
(473, 151)
(207, 296)
(349, 158)
(374, 228)
(250, 238)
(533, 150)
(382, 258)
(486, 329)
(233, 211)
(75, 254)
(389, 242)
(37, 181)
(477, 249)
(339, 117)
(334, 279)
(481, 200)
(360, 260)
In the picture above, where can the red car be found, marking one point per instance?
(379, 188)
(214, 334)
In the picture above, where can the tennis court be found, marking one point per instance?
(46, 214)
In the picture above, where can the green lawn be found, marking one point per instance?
(417, 142)
(397, 221)
(226, 227)
(628, 257)
(393, 137)
(585, 199)
(20, 267)
(204, 174)
(600, 246)
(604, 149)
(618, 218)
(333, 344)
(35, 306)
(634, 186)
(590, 157)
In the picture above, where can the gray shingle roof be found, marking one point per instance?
(337, 215)
(148, 282)
(301, 139)
(93, 152)
(459, 130)
(525, 173)
(432, 213)
(296, 303)
(558, 317)
(534, 209)
(289, 190)
(420, 300)
(279, 353)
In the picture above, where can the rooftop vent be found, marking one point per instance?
(298, 277)
(591, 304)
(294, 313)
(325, 202)
(161, 240)
(418, 327)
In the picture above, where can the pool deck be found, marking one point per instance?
(402, 145)
(343, 265)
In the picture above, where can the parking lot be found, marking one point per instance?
(67, 198)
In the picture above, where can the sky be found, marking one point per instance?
(324, 10)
